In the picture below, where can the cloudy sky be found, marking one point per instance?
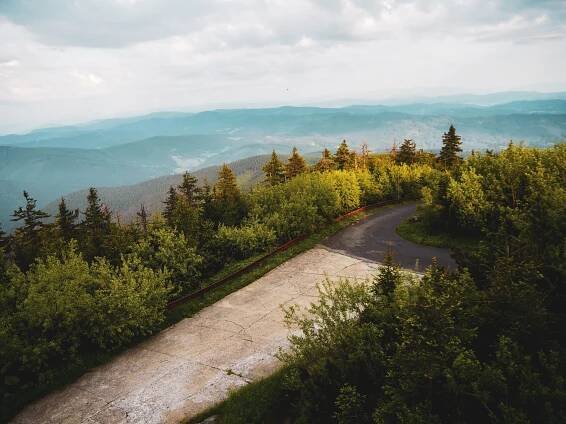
(64, 61)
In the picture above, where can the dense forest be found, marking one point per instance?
(483, 344)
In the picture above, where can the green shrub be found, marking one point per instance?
(245, 241)
(63, 309)
(165, 249)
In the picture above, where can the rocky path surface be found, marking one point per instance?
(192, 365)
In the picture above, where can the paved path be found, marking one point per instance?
(371, 238)
(195, 363)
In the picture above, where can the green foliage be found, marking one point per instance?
(274, 170)
(296, 165)
(166, 250)
(295, 208)
(345, 184)
(451, 147)
(26, 240)
(95, 227)
(65, 221)
(326, 162)
(344, 158)
(227, 205)
(244, 241)
(407, 152)
(64, 308)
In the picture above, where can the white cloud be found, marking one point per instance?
(70, 60)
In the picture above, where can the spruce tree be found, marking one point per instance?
(295, 165)
(27, 238)
(451, 146)
(142, 219)
(95, 226)
(205, 199)
(31, 216)
(226, 188)
(65, 221)
(170, 205)
(227, 206)
(407, 152)
(274, 170)
(343, 157)
(388, 277)
(189, 189)
(326, 162)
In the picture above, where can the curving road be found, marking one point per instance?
(195, 363)
(371, 238)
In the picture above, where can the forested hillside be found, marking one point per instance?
(56, 161)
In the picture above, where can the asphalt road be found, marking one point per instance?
(371, 239)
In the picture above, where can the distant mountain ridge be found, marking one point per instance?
(55, 161)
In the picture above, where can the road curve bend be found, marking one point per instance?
(371, 238)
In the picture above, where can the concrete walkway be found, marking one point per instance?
(195, 363)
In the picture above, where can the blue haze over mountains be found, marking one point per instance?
(52, 162)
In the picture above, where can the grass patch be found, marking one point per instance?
(420, 232)
(263, 401)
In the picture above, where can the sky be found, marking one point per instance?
(67, 61)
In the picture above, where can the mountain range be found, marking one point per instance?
(52, 162)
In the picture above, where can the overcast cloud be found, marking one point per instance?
(76, 60)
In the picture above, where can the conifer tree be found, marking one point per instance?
(343, 157)
(170, 205)
(65, 221)
(189, 189)
(142, 219)
(407, 152)
(326, 162)
(95, 226)
(451, 146)
(226, 188)
(388, 277)
(31, 216)
(205, 199)
(295, 164)
(274, 170)
(227, 206)
(27, 237)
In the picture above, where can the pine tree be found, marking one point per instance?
(189, 189)
(31, 216)
(65, 221)
(170, 205)
(95, 226)
(343, 157)
(451, 146)
(326, 162)
(227, 206)
(407, 152)
(142, 219)
(295, 165)
(27, 238)
(226, 188)
(388, 277)
(274, 170)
